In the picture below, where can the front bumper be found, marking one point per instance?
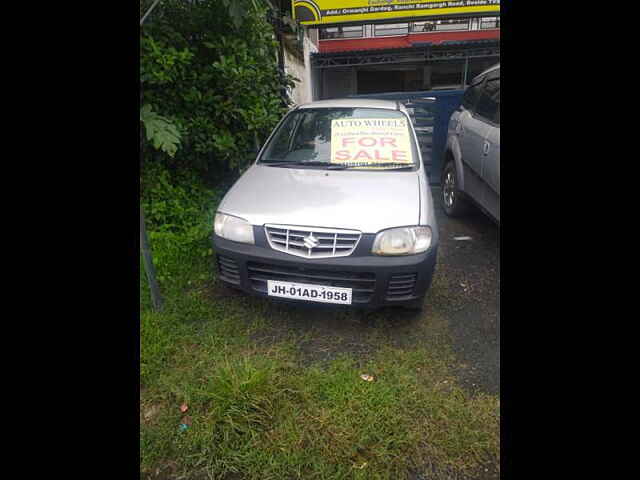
(376, 281)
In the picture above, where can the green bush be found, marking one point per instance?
(174, 202)
(179, 212)
(210, 69)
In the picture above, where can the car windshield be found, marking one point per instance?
(339, 138)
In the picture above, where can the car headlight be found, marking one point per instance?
(402, 241)
(233, 228)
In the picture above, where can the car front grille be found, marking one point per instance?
(312, 242)
(401, 286)
(361, 283)
(228, 270)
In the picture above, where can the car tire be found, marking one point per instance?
(453, 202)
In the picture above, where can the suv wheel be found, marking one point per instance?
(452, 201)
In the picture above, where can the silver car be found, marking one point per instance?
(471, 172)
(335, 210)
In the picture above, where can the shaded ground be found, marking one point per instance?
(470, 272)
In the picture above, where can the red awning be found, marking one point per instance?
(403, 41)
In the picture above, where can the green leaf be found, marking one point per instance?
(163, 134)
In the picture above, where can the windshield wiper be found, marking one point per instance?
(376, 165)
(338, 166)
(313, 163)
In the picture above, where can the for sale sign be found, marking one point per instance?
(327, 12)
(367, 142)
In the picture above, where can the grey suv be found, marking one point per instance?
(471, 173)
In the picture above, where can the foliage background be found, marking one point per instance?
(210, 83)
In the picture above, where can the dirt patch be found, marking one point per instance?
(320, 333)
(217, 289)
(437, 472)
(149, 412)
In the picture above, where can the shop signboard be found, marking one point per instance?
(328, 12)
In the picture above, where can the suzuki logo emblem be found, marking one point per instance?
(311, 242)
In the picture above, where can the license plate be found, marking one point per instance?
(311, 293)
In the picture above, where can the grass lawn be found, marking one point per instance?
(275, 391)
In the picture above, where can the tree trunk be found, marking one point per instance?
(156, 297)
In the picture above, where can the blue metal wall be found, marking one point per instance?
(430, 111)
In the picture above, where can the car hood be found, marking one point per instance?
(350, 199)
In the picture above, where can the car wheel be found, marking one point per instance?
(453, 203)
